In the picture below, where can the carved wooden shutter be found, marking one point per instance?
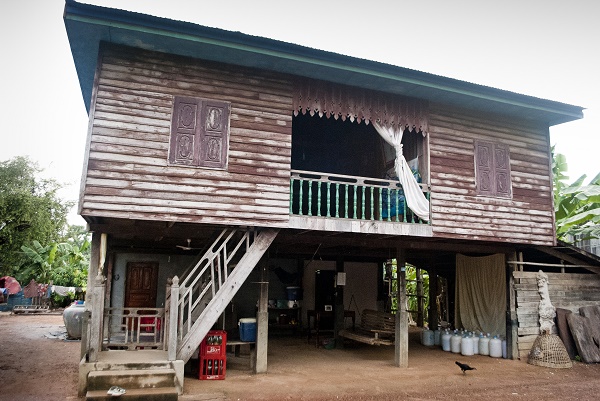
(484, 168)
(492, 169)
(185, 131)
(502, 170)
(199, 132)
(213, 138)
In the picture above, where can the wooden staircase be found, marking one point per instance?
(205, 292)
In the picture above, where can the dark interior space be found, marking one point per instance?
(328, 145)
(335, 146)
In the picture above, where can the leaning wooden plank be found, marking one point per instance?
(564, 333)
(582, 334)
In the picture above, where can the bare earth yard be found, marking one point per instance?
(38, 364)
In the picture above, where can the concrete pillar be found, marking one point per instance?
(401, 335)
(262, 320)
(172, 335)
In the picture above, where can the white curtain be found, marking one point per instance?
(417, 202)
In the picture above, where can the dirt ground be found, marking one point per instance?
(37, 363)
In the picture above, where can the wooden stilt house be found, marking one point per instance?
(214, 156)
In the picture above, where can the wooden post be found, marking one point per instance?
(97, 317)
(433, 317)
(420, 298)
(172, 336)
(512, 321)
(89, 293)
(262, 320)
(338, 322)
(401, 335)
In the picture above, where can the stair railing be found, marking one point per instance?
(205, 279)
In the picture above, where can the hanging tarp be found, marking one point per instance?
(480, 301)
(11, 284)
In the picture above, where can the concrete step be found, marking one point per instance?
(141, 394)
(131, 379)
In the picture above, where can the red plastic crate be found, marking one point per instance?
(212, 368)
(213, 356)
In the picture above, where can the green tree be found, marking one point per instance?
(30, 210)
(576, 206)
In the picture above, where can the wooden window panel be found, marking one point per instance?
(492, 169)
(199, 133)
(213, 138)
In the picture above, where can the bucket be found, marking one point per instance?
(248, 329)
(294, 293)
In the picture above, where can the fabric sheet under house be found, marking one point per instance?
(480, 303)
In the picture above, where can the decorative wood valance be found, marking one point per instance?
(346, 102)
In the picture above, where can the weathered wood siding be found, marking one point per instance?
(457, 211)
(567, 290)
(127, 172)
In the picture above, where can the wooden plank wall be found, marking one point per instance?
(457, 212)
(127, 171)
(567, 290)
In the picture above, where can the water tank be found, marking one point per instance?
(437, 337)
(73, 317)
(476, 344)
(466, 345)
(455, 342)
(427, 338)
(484, 345)
(446, 340)
(496, 347)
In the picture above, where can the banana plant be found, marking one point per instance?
(576, 206)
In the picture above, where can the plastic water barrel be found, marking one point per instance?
(437, 337)
(484, 345)
(427, 338)
(504, 351)
(475, 344)
(446, 341)
(455, 342)
(466, 345)
(496, 347)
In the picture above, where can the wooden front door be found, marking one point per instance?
(140, 287)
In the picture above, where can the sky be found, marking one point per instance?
(543, 48)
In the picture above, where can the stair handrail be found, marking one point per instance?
(217, 257)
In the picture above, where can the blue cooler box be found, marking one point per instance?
(248, 329)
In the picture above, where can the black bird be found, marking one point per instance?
(464, 367)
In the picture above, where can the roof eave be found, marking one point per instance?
(88, 25)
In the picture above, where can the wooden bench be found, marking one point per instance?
(376, 328)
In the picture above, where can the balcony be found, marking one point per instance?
(334, 202)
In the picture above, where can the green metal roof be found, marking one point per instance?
(88, 25)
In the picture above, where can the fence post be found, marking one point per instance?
(173, 319)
